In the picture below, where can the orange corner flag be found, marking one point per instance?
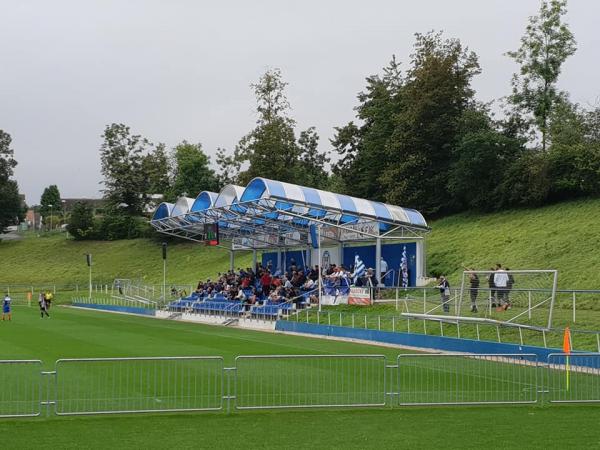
(567, 341)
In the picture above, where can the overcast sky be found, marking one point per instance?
(181, 69)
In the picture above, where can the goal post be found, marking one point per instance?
(512, 296)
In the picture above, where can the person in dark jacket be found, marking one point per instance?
(492, 287)
(444, 288)
(474, 290)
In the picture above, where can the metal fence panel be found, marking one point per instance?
(309, 381)
(20, 395)
(458, 379)
(117, 385)
(573, 378)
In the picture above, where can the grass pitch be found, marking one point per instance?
(74, 333)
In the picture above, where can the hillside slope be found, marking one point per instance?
(55, 259)
(563, 236)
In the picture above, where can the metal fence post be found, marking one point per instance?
(574, 306)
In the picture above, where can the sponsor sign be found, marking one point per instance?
(359, 296)
(351, 232)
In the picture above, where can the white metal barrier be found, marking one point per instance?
(20, 393)
(129, 385)
(574, 378)
(459, 379)
(309, 381)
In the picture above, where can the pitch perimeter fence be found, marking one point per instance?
(198, 383)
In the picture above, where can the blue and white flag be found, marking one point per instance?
(404, 268)
(359, 269)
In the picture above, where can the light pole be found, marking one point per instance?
(164, 257)
(88, 258)
(51, 206)
(64, 218)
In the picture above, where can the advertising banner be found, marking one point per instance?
(359, 296)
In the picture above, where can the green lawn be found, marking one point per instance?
(53, 259)
(72, 333)
(562, 236)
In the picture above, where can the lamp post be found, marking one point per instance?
(164, 257)
(64, 214)
(88, 258)
(51, 206)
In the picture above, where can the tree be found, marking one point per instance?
(435, 95)
(364, 149)
(10, 202)
(270, 149)
(574, 154)
(192, 173)
(155, 166)
(228, 167)
(312, 162)
(476, 178)
(7, 161)
(122, 158)
(50, 203)
(81, 223)
(546, 45)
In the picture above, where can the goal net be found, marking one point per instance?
(514, 296)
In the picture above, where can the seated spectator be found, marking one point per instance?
(309, 285)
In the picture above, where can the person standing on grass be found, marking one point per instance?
(43, 305)
(474, 285)
(6, 308)
(492, 287)
(501, 283)
(444, 288)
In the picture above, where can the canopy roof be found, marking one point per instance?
(268, 213)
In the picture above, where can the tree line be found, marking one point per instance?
(421, 139)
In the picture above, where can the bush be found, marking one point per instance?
(81, 224)
(114, 227)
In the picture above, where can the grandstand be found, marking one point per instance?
(299, 229)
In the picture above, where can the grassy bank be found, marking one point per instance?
(53, 258)
(562, 236)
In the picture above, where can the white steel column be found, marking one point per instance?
(320, 268)
(378, 261)
(421, 263)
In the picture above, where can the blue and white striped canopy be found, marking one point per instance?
(319, 202)
(204, 200)
(275, 208)
(163, 211)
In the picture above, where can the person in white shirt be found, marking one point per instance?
(383, 267)
(501, 283)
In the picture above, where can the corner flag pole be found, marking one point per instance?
(567, 351)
